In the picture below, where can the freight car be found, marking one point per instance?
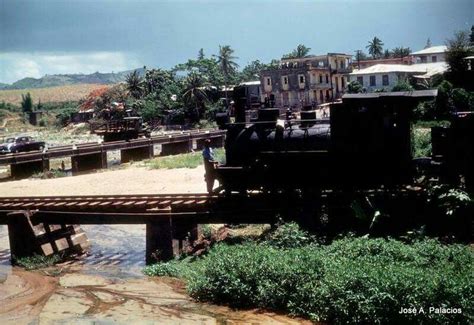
(365, 144)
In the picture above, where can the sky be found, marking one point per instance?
(39, 37)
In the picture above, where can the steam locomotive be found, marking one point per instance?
(365, 144)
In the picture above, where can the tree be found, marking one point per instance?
(375, 47)
(301, 51)
(201, 55)
(26, 103)
(402, 86)
(252, 70)
(428, 43)
(39, 106)
(401, 52)
(354, 87)
(471, 38)
(360, 56)
(134, 84)
(227, 65)
(459, 47)
(208, 68)
(195, 94)
(387, 54)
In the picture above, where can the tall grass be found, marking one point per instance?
(187, 160)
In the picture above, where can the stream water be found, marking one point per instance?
(108, 287)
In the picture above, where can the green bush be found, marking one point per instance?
(38, 261)
(172, 269)
(353, 280)
(421, 143)
(402, 86)
(289, 235)
(43, 122)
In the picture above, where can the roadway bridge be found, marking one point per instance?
(91, 156)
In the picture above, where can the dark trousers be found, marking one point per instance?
(209, 176)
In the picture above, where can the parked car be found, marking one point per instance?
(20, 144)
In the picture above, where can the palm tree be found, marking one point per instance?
(375, 47)
(225, 59)
(134, 84)
(301, 51)
(194, 92)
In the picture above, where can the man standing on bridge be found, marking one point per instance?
(209, 165)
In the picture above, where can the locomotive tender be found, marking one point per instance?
(365, 144)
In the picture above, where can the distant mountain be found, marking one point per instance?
(70, 79)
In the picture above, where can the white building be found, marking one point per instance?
(430, 55)
(385, 76)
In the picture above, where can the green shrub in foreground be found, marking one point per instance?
(38, 261)
(350, 281)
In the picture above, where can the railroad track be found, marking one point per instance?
(137, 209)
(106, 203)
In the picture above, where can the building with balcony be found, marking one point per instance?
(308, 81)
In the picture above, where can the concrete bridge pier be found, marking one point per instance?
(166, 238)
(136, 154)
(88, 162)
(175, 148)
(27, 169)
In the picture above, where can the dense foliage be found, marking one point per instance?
(353, 280)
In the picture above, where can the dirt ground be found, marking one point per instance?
(133, 180)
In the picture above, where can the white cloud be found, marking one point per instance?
(16, 65)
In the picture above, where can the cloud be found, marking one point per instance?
(18, 65)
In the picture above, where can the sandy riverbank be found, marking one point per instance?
(132, 180)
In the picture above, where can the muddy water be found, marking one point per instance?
(108, 287)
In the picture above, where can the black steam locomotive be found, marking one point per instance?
(365, 144)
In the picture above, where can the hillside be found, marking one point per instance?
(49, 94)
(70, 79)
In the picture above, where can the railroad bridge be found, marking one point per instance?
(46, 225)
(43, 225)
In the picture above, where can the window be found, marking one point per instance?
(301, 79)
(269, 81)
(423, 59)
(321, 96)
(341, 65)
(343, 81)
(360, 80)
(285, 80)
(327, 78)
(320, 78)
(434, 58)
(372, 81)
(385, 80)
